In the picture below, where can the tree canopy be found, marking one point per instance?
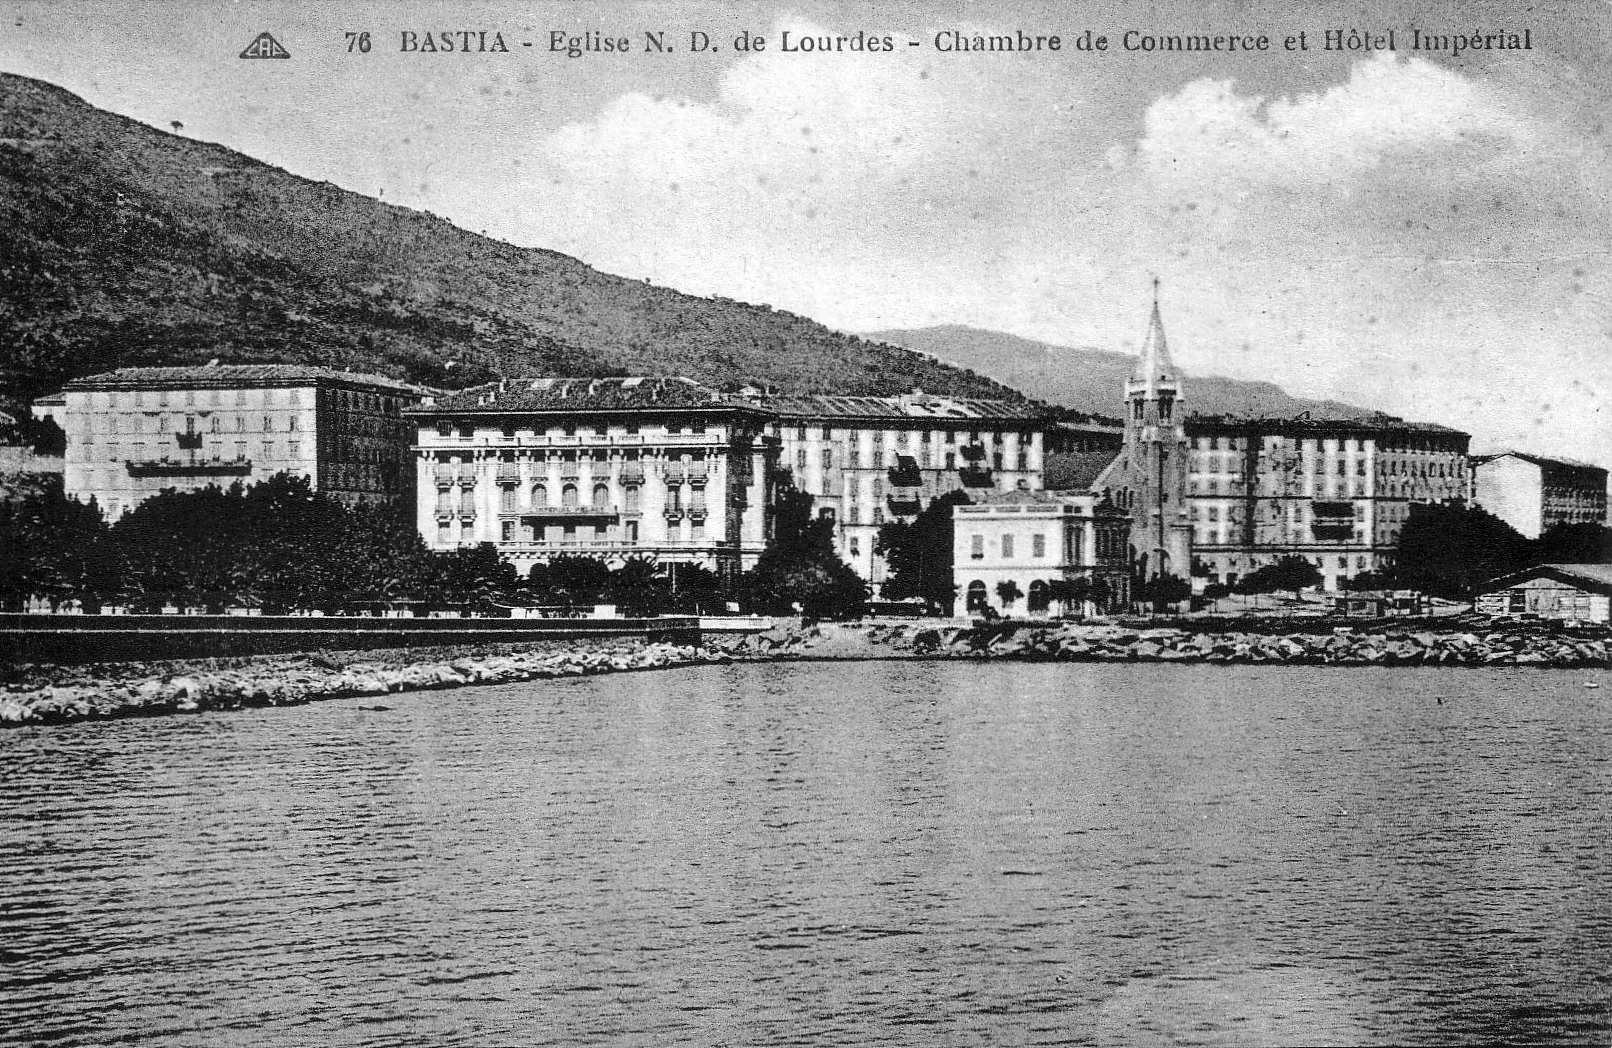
(800, 566)
(920, 554)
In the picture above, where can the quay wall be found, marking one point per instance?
(111, 638)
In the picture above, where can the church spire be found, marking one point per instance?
(1153, 365)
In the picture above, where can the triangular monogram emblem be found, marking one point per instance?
(265, 46)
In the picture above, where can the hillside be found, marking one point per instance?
(1092, 380)
(123, 245)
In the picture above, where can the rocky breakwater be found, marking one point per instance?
(51, 695)
(1342, 647)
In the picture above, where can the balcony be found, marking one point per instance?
(975, 477)
(905, 473)
(905, 507)
(698, 476)
(164, 467)
(509, 473)
(972, 452)
(673, 513)
(632, 473)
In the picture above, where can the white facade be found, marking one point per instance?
(1029, 539)
(1336, 493)
(868, 460)
(1533, 493)
(660, 469)
(136, 432)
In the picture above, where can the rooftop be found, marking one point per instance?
(1538, 460)
(234, 375)
(1373, 423)
(1595, 576)
(1075, 470)
(584, 394)
(907, 406)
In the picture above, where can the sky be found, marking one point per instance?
(1411, 231)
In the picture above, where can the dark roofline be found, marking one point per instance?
(1012, 412)
(1559, 572)
(237, 376)
(1371, 424)
(1540, 460)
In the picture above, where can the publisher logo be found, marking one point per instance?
(265, 46)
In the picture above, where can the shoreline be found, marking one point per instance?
(47, 694)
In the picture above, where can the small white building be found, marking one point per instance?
(1582, 592)
(1010, 547)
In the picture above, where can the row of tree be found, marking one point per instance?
(281, 545)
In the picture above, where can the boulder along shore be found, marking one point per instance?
(54, 694)
(1417, 645)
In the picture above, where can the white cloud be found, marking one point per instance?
(1370, 241)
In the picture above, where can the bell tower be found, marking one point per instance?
(1155, 458)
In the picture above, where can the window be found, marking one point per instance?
(540, 496)
(828, 458)
(1007, 546)
(601, 496)
(506, 500)
(444, 535)
(976, 548)
(568, 496)
(508, 530)
(444, 428)
(630, 498)
(1038, 546)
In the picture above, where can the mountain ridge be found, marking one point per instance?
(123, 245)
(1091, 381)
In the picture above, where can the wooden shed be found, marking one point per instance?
(1582, 592)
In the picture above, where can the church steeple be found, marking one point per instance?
(1154, 368)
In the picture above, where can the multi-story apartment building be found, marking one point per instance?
(134, 432)
(1029, 539)
(1335, 492)
(1533, 493)
(614, 468)
(866, 460)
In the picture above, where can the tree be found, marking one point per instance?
(800, 566)
(638, 588)
(1008, 593)
(1074, 593)
(1288, 573)
(920, 554)
(473, 573)
(1448, 550)
(572, 580)
(56, 548)
(1162, 590)
(1574, 544)
(695, 588)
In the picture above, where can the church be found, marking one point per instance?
(1148, 479)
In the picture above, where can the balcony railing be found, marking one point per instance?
(237, 467)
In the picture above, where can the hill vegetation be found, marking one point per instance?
(123, 245)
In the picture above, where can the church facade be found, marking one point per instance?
(1148, 478)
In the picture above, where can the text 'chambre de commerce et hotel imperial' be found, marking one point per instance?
(675, 471)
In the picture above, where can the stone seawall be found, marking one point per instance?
(1487, 646)
(53, 694)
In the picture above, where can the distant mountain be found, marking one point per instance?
(124, 245)
(1092, 380)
